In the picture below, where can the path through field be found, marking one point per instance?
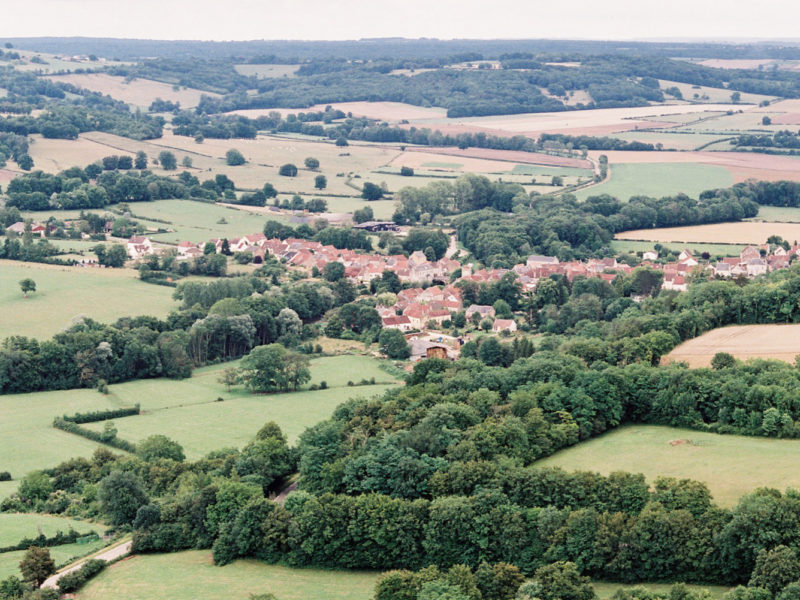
(109, 555)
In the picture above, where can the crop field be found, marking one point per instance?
(198, 221)
(780, 342)
(138, 92)
(186, 410)
(659, 180)
(744, 232)
(696, 249)
(15, 526)
(730, 465)
(267, 71)
(192, 575)
(64, 293)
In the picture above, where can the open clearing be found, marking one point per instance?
(139, 92)
(192, 575)
(659, 180)
(731, 465)
(744, 232)
(781, 342)
(183, 409)
(64, 293)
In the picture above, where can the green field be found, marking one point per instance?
(16, 526)
(198, 221)
(192, 576)
(185, 410)
(659, 180)
(777, 214)
(62, 555)
(537, 170)
(606, 589)
(697, 249)
(63, 293)
(382, 209)
(265, 71)
(730, 465)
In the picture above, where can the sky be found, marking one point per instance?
(444, 19)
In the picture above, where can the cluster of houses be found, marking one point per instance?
(754, 261)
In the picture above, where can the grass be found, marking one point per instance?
(536, 170)
(63, 293)
(192, 576)
(606, 589)
(778, 214)
(442, 165)
(15, 526)
(185, 410)
(697, 249)
(730, 465)
(9, 561)
(659, 180)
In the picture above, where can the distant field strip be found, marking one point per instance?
(781, 342)
(719, 233)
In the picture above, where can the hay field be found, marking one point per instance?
(731, 465)
(745, 232)
(659, 180)
(382, 111)
(192, 575)
(64, 293)
(139, 92)
(780, 342)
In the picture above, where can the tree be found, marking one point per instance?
(320, 182)
(36, 485)
(269, 190)
(312, 163)
(406, 171)
(765, 120)
(167, 160)
(37, 565)
(27, 285)
(187, 162)
(121, 494)
(229, 378)
(140, 162)
(262, 369)
(722, 360)
(371, 191)
(333, 271)
(775, 569)
(25, 162)
(393, 344)
(341, 142)
(735, 97)
(288, 170)
(234, 158)
(362, 215)
(562, 581)
(159, 446)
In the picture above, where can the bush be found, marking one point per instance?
(288, 170)
(234, 158)
(72, 582)
(102, 415)
(95, 436)
(5, 476)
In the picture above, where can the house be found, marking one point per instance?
(19, 228)
(749, 252)
(650, 255)
(186, 247)
(375, 226)
(536, 260)
(482, 310)
(756, 266)
(401, 322)
(139, 246)
(501, 325)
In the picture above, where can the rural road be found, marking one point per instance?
(110, 554)
(452, 248)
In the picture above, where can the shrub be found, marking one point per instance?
(72, 582)
(5, 476)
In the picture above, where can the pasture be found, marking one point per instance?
(61, 555)
(730, 465)
(138, 92)
(192, 575)
(659, 180)
(64, 293)
(778, 214)
(780, 342)
(185, 410)
(696, 249)
(743, 232)
(16, 526)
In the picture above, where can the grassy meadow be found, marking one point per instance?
(16, 526)
(64, 293)
(193, 576)
(62, 555)
(697, 249)
(185, 410)
(659, 180)
(730, 465)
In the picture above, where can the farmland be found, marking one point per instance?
(780, 342)
(696, 249)
(61, 555)
(193, 575)
(183, 409)
(659, 179)
(720, 233)
(730, 465)
(64, 293)
(138, 92)
(15, 526)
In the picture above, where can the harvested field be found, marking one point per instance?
(479, 160)
(56, 155)
(780, 342)
(139, 92)
(591, 122)
(382, 111)
(722, 233)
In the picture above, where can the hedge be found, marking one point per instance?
(95, 436)
(103, 415)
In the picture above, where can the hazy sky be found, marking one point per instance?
(353, 19)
